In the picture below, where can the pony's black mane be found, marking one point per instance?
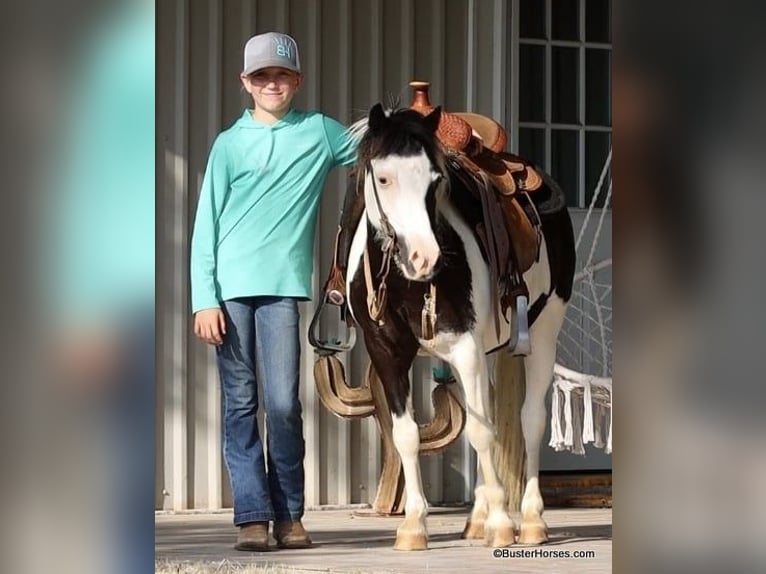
(405, 133)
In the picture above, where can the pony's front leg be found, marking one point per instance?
(539, 374)
(490, 508)
(411, 534)
(392, 354)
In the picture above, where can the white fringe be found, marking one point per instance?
(585, 413)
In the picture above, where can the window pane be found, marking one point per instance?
(532, 19)
(532, 145)
(564, 163)
(564, 85)
(531, 83)
(565, 23)
(596, 151)
(598, 87)
(598, 21)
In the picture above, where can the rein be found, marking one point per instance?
(388, 229)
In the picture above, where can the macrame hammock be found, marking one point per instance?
(581, 401)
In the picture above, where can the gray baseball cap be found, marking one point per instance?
(271, 49)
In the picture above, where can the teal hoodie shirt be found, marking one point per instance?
(254, 230)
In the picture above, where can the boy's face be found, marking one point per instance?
(272, 89)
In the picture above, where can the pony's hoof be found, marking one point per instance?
(411, 541)
(501, 537)
(533, 533)
(474, 530)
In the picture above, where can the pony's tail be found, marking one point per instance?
(510, 453)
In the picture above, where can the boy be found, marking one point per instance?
(251, 262)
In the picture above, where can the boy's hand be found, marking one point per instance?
(210, 326)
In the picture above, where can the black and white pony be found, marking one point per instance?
(418, 212)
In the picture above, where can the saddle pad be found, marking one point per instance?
(549, 199)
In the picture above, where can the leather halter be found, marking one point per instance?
(388, 229)
(376, 299)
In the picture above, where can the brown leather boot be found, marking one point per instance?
(253, 537)
(291, 535)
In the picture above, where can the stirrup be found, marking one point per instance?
(520, 344)
(332, 346)
(335, 297)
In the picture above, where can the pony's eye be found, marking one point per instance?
(383, 180)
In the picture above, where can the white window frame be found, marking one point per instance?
(548, 125)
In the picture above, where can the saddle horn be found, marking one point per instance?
(452, 131)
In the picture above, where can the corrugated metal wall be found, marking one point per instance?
(353, 54)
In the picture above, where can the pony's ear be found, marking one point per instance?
(377, 117)
(432, 119)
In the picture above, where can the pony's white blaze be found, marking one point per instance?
(402, 183)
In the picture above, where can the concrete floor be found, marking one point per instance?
(351, 541)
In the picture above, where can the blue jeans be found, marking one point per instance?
(262, 343)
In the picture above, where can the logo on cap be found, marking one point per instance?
(284, 47)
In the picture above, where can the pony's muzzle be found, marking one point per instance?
(419, 263)
(420, 260)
